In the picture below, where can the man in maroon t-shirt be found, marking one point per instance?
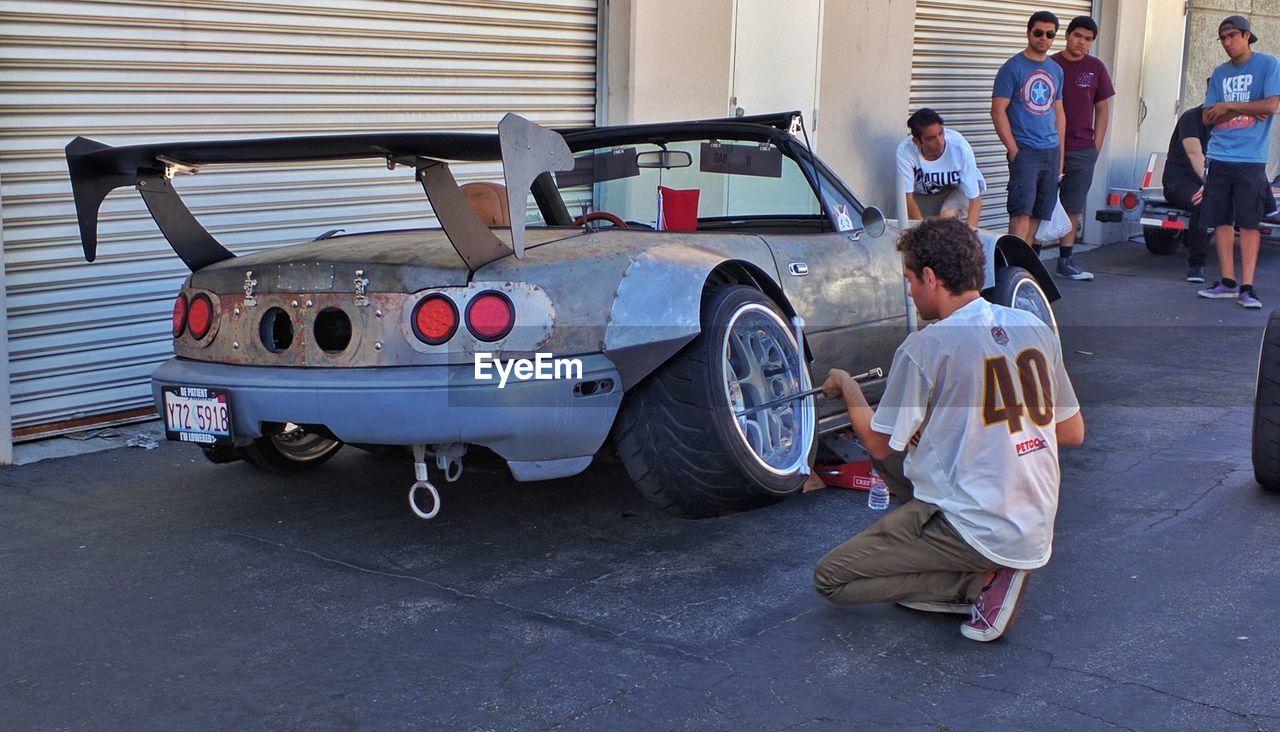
(1086, 98)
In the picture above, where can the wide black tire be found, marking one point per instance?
(1163, 241)
(290, 449)
(1016, 288)
(1266, 409)
(677, 434)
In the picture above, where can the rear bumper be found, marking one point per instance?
(527, 421)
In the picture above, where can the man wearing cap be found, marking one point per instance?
(1243, 95)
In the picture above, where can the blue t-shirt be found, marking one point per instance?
(1031, 87)
(1242, 139)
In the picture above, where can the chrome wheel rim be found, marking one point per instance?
(761, 363)
(1028, 296)
(299, 445)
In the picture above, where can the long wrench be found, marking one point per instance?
(873, 374)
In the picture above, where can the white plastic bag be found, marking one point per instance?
(1056, 227)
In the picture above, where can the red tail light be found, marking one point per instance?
(200, 316)
(435, 319)
(490, 316)
(179, 315)
(1129, 202)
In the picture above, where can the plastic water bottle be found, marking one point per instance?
(878, 496)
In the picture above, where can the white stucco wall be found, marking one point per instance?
(672, 60)
(864, 91)
(1120, 45)
(668, 60)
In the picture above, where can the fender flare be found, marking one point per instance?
(657, 309)
(1012, 251)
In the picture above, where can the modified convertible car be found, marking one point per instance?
(718, 270)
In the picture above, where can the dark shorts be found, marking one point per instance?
(1077, 177)
(1033, 183)
(1235, 193)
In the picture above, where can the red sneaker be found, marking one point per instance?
(995, 608)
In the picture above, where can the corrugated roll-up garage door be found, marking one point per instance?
(84, 338)
(959, 47)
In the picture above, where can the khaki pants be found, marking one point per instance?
(911, 554)
(932, 204)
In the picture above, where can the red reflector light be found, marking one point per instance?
(490, 316)
(179, 315)
(1113, 200)
(1129, 202)
(435, 319)
(200, 316)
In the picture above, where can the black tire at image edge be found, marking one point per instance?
(1265, 446)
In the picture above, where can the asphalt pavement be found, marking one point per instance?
(151, 589)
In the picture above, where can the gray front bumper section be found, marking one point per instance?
(542, 428)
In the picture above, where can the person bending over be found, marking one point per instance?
(937, 171)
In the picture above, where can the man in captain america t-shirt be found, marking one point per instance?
(937, 171)
(1026, 108)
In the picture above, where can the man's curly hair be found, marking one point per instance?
(949, 248)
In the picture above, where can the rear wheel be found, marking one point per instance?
(1016, 288)
(1266, 409)
(1163, 241)
(290, 448)
(688, 435)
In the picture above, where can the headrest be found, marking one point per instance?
(489, 201)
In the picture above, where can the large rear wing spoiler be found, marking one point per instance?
(526, 150)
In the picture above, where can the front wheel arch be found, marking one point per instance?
(1012, 251)
(1016, 288)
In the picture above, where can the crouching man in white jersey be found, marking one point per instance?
(967, 434)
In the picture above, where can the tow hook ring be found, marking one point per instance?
(435, 499)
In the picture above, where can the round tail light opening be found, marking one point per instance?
(435, 319)
(179, 315)
(1129, 201)
(333, 330)
(200, 316)
(275, 330)
(490, 316)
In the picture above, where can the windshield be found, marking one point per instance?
(719, 179)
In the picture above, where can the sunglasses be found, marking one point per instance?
(1044, 34)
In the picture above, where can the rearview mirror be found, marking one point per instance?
(873, 222)
(665, 159)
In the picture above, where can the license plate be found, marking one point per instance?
(197, 414)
